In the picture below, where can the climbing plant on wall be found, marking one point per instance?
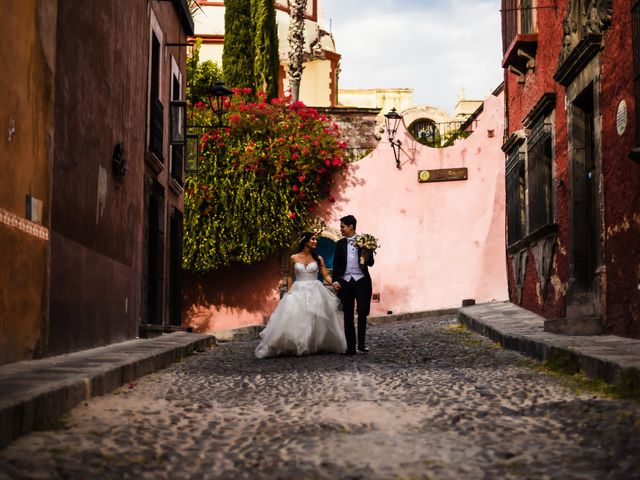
(259, 179)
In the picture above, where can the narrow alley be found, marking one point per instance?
(431, 400)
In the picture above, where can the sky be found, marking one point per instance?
(435, 47)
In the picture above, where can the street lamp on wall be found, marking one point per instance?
(218, 97)
(219, 100)
(392, 121)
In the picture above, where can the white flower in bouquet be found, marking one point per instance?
(368, 244)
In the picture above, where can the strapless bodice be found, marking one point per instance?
(305, 273)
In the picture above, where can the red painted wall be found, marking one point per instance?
(620, 176)
(621, 180)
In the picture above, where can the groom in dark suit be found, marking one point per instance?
(353, 282)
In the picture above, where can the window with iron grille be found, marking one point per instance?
(156, 109)
(635, 14)
(539, 175)
(515, 196)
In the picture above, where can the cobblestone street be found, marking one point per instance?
(429, 401)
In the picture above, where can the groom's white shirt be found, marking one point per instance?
(353, 268)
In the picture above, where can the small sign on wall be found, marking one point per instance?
(621, 117)
(442, 175)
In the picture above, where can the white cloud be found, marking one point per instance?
(433, 46)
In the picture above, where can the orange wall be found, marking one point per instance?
(27, 56)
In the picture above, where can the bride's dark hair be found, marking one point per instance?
(304, 239)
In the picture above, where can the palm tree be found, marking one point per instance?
(296, 46)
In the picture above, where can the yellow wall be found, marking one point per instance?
(27, 62)
(315, 84)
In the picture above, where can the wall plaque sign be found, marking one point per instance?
(442, 175)
(621, 117)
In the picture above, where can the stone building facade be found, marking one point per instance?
(571, 132)
(27, 54)
(97, 252)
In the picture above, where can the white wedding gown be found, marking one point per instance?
(305, 321)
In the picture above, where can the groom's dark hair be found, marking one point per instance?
(349, 220)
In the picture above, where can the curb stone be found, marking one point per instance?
(603, 357)
(34, 393)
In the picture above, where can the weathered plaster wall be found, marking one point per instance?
(521, 98)
(620, 177)
(27, 63)
(621, 180)
(441, 242)
(101, 91)
(358, 127)
(231, 297)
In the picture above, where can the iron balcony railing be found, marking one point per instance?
(437, 135)
(517, 18)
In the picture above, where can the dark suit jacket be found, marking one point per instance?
(340, 261)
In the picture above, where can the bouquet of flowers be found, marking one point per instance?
(368, 244)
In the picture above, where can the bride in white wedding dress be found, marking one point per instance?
(306, 320)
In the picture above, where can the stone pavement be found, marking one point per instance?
(430, 401)
(604, 357)
(37, 392)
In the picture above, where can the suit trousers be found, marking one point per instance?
(354, 293)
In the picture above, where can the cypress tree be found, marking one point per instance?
(238, 51)
(267, 61)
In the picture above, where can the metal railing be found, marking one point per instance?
(517, 17)
(515, 197)
(156, 134)
(539, 176)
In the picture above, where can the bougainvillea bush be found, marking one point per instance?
(259, 180)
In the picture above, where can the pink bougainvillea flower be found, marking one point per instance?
(295, 188)
(292, 214)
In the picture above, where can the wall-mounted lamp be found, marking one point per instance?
(392, 120)
(219, 100)
(218, 96)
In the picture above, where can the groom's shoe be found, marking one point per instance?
(363, 349)
(349, 352)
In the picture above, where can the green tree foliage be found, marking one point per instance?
(259, 180)
(238, 52)
(267, 61)
(200, 76)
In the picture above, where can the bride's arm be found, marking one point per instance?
(290, 273)
(325, 273)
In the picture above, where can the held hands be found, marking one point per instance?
(336, 286)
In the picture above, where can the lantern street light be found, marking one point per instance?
(218, 98)
(392, 120)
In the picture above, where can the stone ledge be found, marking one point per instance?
(36, 392)
(603, 357)
(406, 317)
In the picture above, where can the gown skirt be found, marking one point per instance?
(305, 321)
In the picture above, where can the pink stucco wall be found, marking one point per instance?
(440, 242)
